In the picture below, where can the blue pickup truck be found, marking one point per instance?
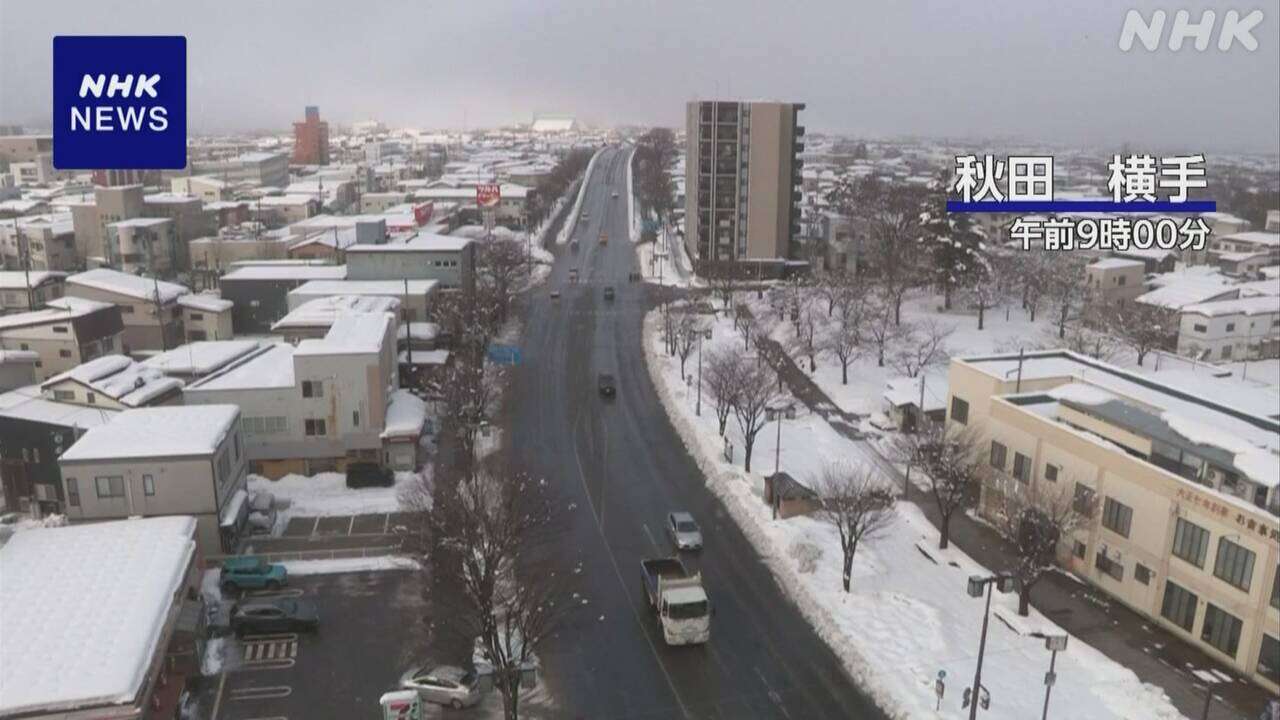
(250, 572)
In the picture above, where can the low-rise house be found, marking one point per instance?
(278, 210)
(36, 431)
(447, 259)
(902, 397)
(317, 406)
(17, 369)
(406, 420)
(100, 621)
(162, 461)
(260, 290)
(142, 245)
(22, 291)
(115, 382)
(205, 317)
(208, 188)
(512, 210)
(1116, 280)
(233, 244)
(149, 307)
(1238, 246)
(46, 242)
(190, 221)
(415, 296)
(64, 333)
(1246, 328)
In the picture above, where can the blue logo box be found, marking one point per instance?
(119, 102)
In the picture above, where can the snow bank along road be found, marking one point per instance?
(622, 467)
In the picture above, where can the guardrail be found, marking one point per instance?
(212, 561)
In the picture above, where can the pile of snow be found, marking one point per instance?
(1082, 394)
(327, 494)
(349, 565)
(566, 231)
(908, 616)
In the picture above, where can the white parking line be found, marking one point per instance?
(291, 592)
(267, 692)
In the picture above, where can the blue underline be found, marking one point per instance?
(1069, 206)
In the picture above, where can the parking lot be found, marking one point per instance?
(344, 525)
(378, 629)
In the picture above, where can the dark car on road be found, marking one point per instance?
(274, 615)
(608, 293)
(606, 384)
(361, 475)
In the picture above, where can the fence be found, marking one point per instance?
(212, 561)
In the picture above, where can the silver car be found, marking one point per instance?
(683, 531)
(443, 685)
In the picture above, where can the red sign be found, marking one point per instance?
(488, 195)
(422, 213)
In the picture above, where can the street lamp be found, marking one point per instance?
(1054, 644)
(977, 584)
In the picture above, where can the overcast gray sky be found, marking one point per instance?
(1024, 68)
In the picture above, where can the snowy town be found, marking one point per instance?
(733, 413)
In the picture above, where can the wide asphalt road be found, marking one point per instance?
(621, 466)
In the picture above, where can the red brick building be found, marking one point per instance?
(311, 139)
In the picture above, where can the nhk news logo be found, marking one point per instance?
(1146, 192)
(119, 102)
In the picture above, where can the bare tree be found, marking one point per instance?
(723, 382)
(1067, 288)
(857, 503)
(500, 528)
(753, 329)
(502, 267)
(723, 280)
(757, 390)
(1035, 517)
(686, 336)
(1140, 326)
(948, 456)
(923, 347)
(891, 213)
(470, 393)
(807, 333)
(843, 339)
(879, 327)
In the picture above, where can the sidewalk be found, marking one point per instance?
(1155, 655)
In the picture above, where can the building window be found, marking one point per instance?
(315, 427)
(1269, 658)
(1231, 327)
(125, 309)
(73, 492)
(64, 395)
(1275, 591)
(959, 410)
(1117, 517)
(312, 388)
(1221, 629)
(998, 453)
(1021, 467)
(1190, 542)
(109, 486)
(60, 329)
(1083, 501)
(1142, 573)
(91, 398)
(1108, 566)
(355, 418)
(1200, 328)
(64, 353)
(197, 317)
(235, 446)
(1079, 550)
(1179, 606)
(1051, 473)
(1122, 280)
(148, 485)
(1234, 564)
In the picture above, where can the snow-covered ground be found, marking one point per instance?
(326, 494)
(566, 230)
(663, 266)
(908, 616)
(349, 565)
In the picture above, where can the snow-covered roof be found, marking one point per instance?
(205, 302)
(168, 431)
(18, 280)
(134, 286)
(269, 367)
(120, 378)
(419, 242)
(419, 331)
(406, 414)
(62, 309)
(357, 333)
(389, 288)
(1187, 292)
(1256, 305)
(287, 271)
(424, 357)
(28, 404)
(904, 391)
(83, 610)
(201, 357)
(1114, 263)
(18, 356)
(324, 311)
(140, 222)
(1255, 237)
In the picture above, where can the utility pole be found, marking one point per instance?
(25, 252)
(164, 340)
(408, 328)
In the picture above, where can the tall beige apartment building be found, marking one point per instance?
(1185, 476)
(742, 179)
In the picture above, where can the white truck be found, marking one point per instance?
(679, 599)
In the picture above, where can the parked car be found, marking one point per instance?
(361, 475)
(443, 685)
(262, 512)
(606, 385)
(608, 293)
(555, 294)
(615, 193)
(248, 571)
(274, 615)
(684, 531)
